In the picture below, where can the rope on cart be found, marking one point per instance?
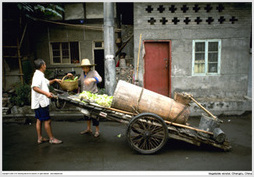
(179, 114)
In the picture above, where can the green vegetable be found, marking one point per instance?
(69, 80)
(103, 100)
(75, 78)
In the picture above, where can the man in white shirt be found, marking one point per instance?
(40, 100)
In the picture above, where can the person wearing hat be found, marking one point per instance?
(89, 79)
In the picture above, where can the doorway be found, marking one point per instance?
(99, 61)
(157, 65)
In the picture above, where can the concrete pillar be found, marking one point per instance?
(249, 93)
(109, 40)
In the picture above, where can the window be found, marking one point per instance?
(206, 57)
(65, 52)
(98, 44)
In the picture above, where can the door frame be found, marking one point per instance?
(169, 62)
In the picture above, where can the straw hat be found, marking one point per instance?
(86, 62)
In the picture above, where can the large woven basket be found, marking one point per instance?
(69, 85)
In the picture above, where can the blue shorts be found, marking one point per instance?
(42, 113)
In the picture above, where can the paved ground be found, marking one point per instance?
(110, 152)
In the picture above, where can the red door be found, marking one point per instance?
(157, 67)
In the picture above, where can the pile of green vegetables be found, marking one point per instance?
(69, 80)
(103, 100)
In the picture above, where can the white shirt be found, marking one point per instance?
(38, 99)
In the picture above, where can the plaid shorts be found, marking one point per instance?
(42, 113)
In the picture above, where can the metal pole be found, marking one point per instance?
(109, 40)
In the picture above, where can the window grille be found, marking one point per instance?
(206, 57)
(65, 52)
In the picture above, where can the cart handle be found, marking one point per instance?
(208, 112)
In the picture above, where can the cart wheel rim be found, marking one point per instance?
(147, 133)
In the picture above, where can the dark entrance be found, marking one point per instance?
(99, 61)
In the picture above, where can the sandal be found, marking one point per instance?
(55, 141)
(97, 134)
(86, 132)
(42, 140)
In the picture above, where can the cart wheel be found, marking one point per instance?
(147, 133)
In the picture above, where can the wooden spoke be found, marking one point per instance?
(147, 133)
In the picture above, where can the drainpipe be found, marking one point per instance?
(109, 40)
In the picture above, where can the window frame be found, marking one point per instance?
(102, 44)
(206, 73)
(61, 56)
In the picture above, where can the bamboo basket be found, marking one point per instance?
(69, 85)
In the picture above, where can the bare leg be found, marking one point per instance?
(38, 129)
(48, 129)
(97, 132)
(97, 129)
(88, 129)
(89, 125)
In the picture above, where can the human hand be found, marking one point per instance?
(89, 81)
(58, 80)
(70, 75)
(49, 94)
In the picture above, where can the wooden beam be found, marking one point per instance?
(188, 127)
(20, 63)
(10, 47)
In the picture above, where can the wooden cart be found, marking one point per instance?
(147, 132)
